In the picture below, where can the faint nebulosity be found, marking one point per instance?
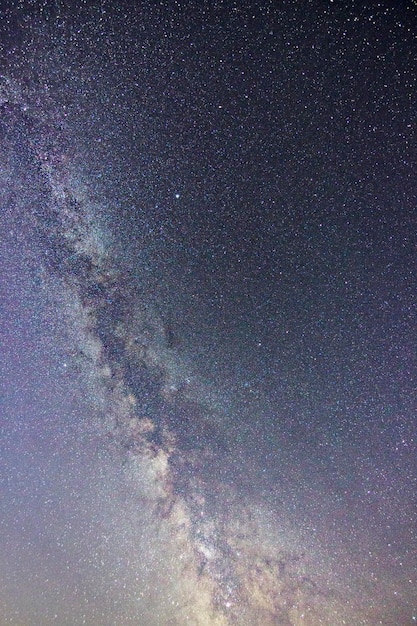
(208, 313)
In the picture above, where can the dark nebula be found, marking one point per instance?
(208, 313)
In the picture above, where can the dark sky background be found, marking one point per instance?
(251, 174)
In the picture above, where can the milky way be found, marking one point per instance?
(208, 297)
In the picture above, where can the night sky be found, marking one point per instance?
(208, 297)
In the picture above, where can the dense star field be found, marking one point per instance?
(208, 290)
